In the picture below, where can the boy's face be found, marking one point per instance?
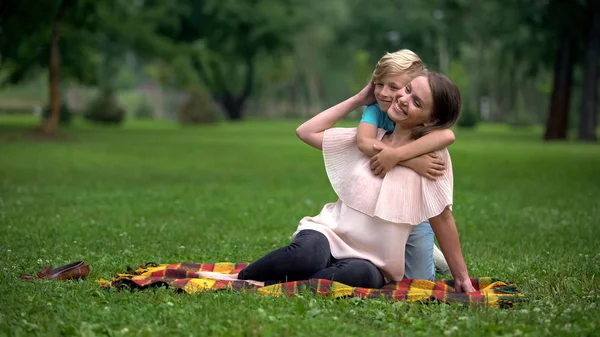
(386, 88)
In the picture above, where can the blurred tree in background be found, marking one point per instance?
(520, 62)
(225, 39)
(83, 40)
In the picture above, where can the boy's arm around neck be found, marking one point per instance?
(366, 138)
(434, 141)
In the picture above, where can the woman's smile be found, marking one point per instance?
(400, 112)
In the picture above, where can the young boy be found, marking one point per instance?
(392, 73)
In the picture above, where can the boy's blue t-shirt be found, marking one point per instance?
(374, 115)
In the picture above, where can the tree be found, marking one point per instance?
(556, 127)
(587, 122)
(225, 38)
(22, 26)
(562, 13)
(49, 126)
(29, 40)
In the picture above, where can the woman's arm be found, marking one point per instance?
(311, 132)
(445, 231)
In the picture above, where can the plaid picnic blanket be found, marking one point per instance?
(491, 292)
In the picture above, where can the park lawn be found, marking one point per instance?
(527, 213)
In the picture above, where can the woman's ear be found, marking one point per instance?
(431, 122)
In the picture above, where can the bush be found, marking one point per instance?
(105, 109)
(65, 114)
(144, 110)
(520, 119)
(199, 109)
(468, 119)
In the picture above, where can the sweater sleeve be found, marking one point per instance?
(402, 196)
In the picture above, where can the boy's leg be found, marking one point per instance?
(418, 256)
(441, 265)
(308, 253)
(353, 272)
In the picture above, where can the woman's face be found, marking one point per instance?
(386, 88)
(412, 104)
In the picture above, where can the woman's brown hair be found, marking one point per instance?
(446, 104)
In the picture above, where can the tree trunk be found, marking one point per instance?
(49, 126)
(314, 98)
(556, 126)
(234, 104)
(587, 122)
(233, 107)
(511, 92)
(443, 55)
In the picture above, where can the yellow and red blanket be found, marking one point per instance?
(186, 277)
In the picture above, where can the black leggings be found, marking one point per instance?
(309, 256)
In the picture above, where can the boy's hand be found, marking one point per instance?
(384, 161)
(428, 165)
(367, 95)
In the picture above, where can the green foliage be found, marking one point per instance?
(520, 119)
(24, 38)
(157, 192)
(459, 76)
(144, 109)
(199, 108)
(278, 70)
(93, 34)
(362, 70)
(313, 53)
(65, 114)
(225, 38)
(236, 29)
(468, 119)
(105, 109)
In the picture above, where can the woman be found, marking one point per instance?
(360, 239)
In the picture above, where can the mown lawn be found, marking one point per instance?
(528, 212)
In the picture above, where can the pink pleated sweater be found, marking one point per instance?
(374, 217)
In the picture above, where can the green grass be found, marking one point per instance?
(528, 212)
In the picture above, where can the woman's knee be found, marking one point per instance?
(308, 253)
(353, 272)
(311, 248)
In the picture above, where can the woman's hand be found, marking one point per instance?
(444, 227)
(428, 165)
(384, 161)
(311, 132)
(464, 286)
(367, 95)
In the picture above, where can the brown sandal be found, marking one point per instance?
(71, 271)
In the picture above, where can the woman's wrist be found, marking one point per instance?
(357, 101)
(463, 278)
(459, 272)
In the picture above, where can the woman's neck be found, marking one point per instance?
(400, 136)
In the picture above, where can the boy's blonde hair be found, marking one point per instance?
(403, 62)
